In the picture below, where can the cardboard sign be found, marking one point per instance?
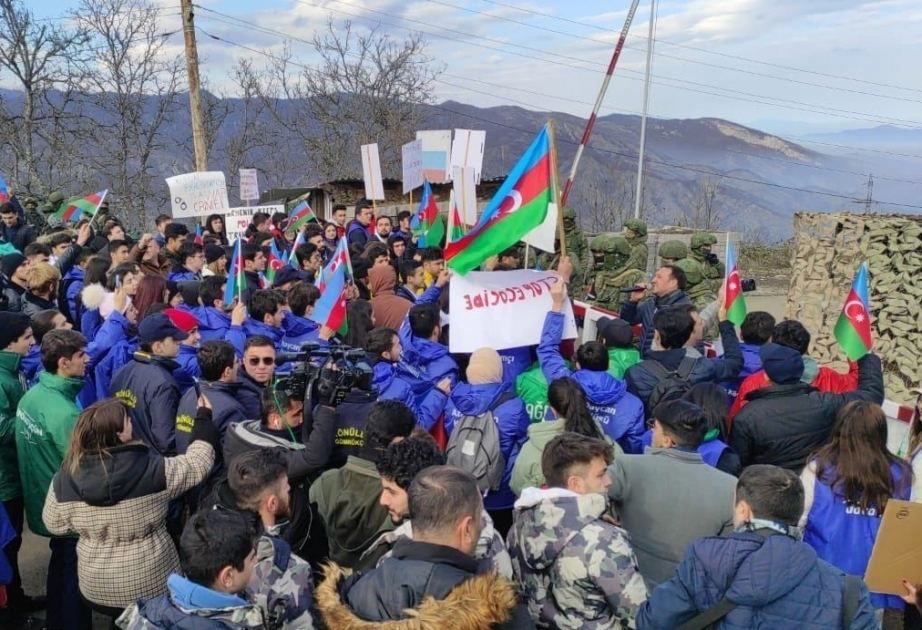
(236, 220)
(198, 194)
(371, 172)
(502, 309)
(436, 155)
(544, 235)
(412, 158)
(249, 185)
(467, 150)
(465, 193)
(897, 553)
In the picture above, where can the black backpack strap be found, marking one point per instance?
(713, 614)
(505, 397)
(850, 594)
(656, 368)
(686, 366)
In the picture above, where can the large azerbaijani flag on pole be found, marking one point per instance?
(426, 223)
(853, 330)
(734, 301)
(518, 207)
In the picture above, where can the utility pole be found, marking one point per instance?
(870, 197)
(638, 196)
(195, 98)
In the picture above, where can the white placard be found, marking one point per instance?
(371, 171)
(249, 185)
(467, 150)
(502, 309)
(465, 193)
(436, 154)
(198, 194)
(544, 235)
(236, 220)
(412, 157)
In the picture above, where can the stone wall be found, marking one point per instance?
(828, 248)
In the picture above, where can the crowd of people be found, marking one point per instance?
(196, 464)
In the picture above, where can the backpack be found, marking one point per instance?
(474, 447)
(670, 385)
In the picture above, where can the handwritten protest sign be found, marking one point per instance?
(236, 220)
(198, 194)
(249, 185)
(502, 309)
(371, 171)
(467, 150)
(412, 154)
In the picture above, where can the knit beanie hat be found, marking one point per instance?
(782, 364)
(485, 367)
(10, 263)
(213, 252)
(12, 327)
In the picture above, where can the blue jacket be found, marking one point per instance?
(511, 419)
(73, 282)
(110, 335)
(642, 313)
(392, 385)
(212, 323)
(90, 321)
(115, 359)
(752, 363)
(31, 364)
(844, 535)
(181, 274)
(191, 606)
(188, 368)
(357, 233)
(776, 582)
(237, 335)
(299, 330)
(146, 385)
(426, 362)
(515, 361)
(619, 413)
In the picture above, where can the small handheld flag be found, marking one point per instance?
(734, 301)
(4, 190)
(456, 227)
(293, 256)
(275, 262)
(300, 215)
(199, 235)
(234, 287)
(853, 330)
(426, 223)
(330, 309)
(75, 208)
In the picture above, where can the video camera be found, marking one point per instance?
(324, 374)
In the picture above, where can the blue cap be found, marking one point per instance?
(285, 275)
(158, 327)
(782, 364)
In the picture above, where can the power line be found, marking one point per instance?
(530, 132)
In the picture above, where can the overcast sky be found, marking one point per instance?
(551, 54)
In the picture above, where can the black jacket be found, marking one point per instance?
(249, 395)
(13, 294)
(33, 304)
(226, 409)
(351, 416)
(130, 471)
(19, 235)
(146, 385)
(643, 312)
(783, 424)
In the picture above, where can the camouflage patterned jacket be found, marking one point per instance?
(282, 584)
(490, 546)
(573, 569)
(639, 256)
(608, 285)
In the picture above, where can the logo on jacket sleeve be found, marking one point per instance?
(127, 397)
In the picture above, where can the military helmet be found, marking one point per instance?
(604, 242)
(702, 239)
(673, 250)
(620, 245)
(636, 226)
(56, 197)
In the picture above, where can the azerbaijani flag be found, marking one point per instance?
(300, 215)
(853, 330)
(235, 285)
(199, 236)
(330, 309)
(734, 301)
(518, 207)
(456, 227)
(275, 262)
(293, 256)
(426, 223)
(76, 207)
(4, 190)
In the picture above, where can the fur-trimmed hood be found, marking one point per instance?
(483, 601)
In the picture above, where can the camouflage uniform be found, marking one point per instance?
(577, 250)
(490, 546)
(703, 277)
(671, 252)
(243, 617)
(573, 569)
(614, 274)
(635, 231)
(285, 595)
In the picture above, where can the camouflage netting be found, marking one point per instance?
(827, 251)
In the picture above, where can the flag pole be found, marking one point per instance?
(555, 183)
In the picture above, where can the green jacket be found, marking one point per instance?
(12, 388)
(620, 359)
(44, 422)
(527, 470)
(531, 387)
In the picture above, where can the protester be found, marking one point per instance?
(618, 338)
(266, 312)
(668, 497)
(214, 226)
(755, 332)
(714, 450)
(16, 268)
(192, 256)
(300, 330)
(666, 289)
(215, 261)
(419, 336)
(71, 285)
(217, 556)
(161, 222)
(258, 369)
(432, 578)
(175, 235)
(113, 492)
(147, 253)
(389, 309)
(45, 420)
(761, 575)
(847, 484)
(119, 253)
(347, 497)
(413, 284)
(618, 412)
(786, 421)
(433, 262)
(43, 289)
(188, 371)
(254, 263)
(213, 321)
(13, 230)
(357, 231)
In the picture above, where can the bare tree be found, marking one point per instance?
(706, 214)
(39, 56)
(131, 84)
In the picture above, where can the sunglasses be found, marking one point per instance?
(254, 361)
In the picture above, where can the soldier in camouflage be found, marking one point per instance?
(577, 250)
(573, 567)
(671, 252)
(635, 231)
(614, 274)
(703, 271)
